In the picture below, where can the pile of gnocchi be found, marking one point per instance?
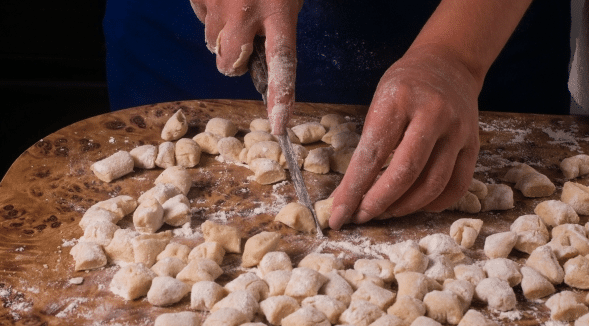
(425, 282)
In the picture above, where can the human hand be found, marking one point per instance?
(230, 28)
(425, 110)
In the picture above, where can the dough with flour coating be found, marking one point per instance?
(114, 166)
(577, 196)
(257, 246)
(499, 245)
(227, 236)
(221, 127)
(323, 263)
(132, 281)
(210, 250)
(278, 307)
(564, 306)
(543, 260)
(267, 171)
(166, 155)
(205, 294)
(166, 290)
(144, 156)
(499, 197)
(88, 255)
(230, 148)
(187, 152)
(178, 176)
(297, 216)
(309, 132)
(175, 127)
(575, 166)
(465, 231)
(496, 293)
(207, 142)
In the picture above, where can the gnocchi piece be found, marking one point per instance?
(100, 232)
(475, 318)
(257, 136)
(329, 306)
(346, 126)
(176, 250)
(575, 166)
(300, 154)
(257, 246)
(226, 317)
(97, 214)
(529, 181)
(499, 198)
(499, 245)
(144, 156)
(425, 321)
(388, 320)
(306, 316)
(176, 210)
(160, 192)
(225, 235)
(303, 283)
(531, 233)
(503, 269)
(178, 176)
(113, 167)
(249, 282)
(407, 308)
(184, 318)
(243, 156)
(166, 155)
(517, 172)
(175, 127)
(243, 301)
(382, 268)
(374, 294)
(412, 284)
(187, 152)
(132, 281)
(149, 216)
(317, 161)
(205, 294)
(264, 149)
(207, 142)
(340, 159)
(323, 263)
(543, 260)
(572, 235)
(582, 321)
(166, 290)
(534, 285)
(221, 127)
(88, 255)
(277, 281)
(121, 206)
(478, 188)
(562, 248)
(472, 273)
(260, 125)
(465, 231)
(439, 268)
(337, 288)
(444, 245)
(443, 307)
(274, 261)
(555, 212)
(576, 272)
(200, 269)
(230, 148)
(146, 247)
(120, 247)
(292, 136)
(564, 306)
(297, 216)
(345, 139)
(407, 257)
(267, 171)
(309, 132)
(331, 120)
(169, 266)
(361, 313)
(462, 289)
(496, 293)
(577, 196)
(356, 278)
(278, 307)
(469, 203)
(323, 211)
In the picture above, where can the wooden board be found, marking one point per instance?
(48, 188)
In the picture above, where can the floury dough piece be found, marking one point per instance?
(277, 281)
(249, 282)
(100, 232)
(226, 317)
(267, 171)
(161, 192)
(304, 282)
(300, 154)
(543, 260)
(575, 166)
(187, 152)
(260, 125)
(361, 313)
(114, 166)
(205, 294)
(207, 142)
(120, 247)
(577, 196)
(149, 216)
(277, 308)
(499, 245)
(121, 206)
(475, 318)
(297, 216)
(323, 263)
(407, 308)
(534, 285)
(469, 203)
(329, 306)
(576, 272)
(230, 148)
(175, 249)
(356, 278)
(503, 269)
(274, 261)
(257, 246)
(175, 127)
(499, 198)
(443, 307)
(345, 139)
(472, 273)
(412, 284)
(556, 212)
(132, 281)
(177, 210)
(256, 137)
(340, 159)
(227, 236)
(382, 268)
(306, 316)
(264, 149)
(564, 306)
(166, 155)
(178, 176)
(166, 290)
(329, 121)
(478, 188)
(309, 132)
(318, 160)
(198, 270)
(465, 231)
(209, 250)
(346, 126)
(425, 321)
(462, 289)
(169, 266)
(144, 156)
(88, 255)
(221, 127)
(531, 233)
(496, 293)
(408, 257)
(529, 181)
(243, 301)
(337, 288)
(374, 294)
(439, 268)
(582, 321)
(442, 244)
(146, 247)
(323, 211)
(184, 318)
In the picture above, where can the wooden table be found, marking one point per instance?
(48, 188)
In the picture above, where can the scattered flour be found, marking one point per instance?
(71, 307)
(511, 315)
(564, 138)
(69, 243)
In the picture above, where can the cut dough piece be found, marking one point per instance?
(576, 272)
(146, 247)
(207, 142)
(472, 273)
(496, 293)
(318, 160)
(346, 126)
(582, 321)
(517, 172)
(300, 153)
(407, 308)
(464, 291)
(374, 294)
(260, 125)
(149, 216)
(331, 120)
(205, 294)
(564, 306)
(210, 250)
(337, 288)
(264, 149)
(323, 211)
(178, 176)
(345, 139)
(531, 233)
(439, 268)
(132, 281)
(166, 155)
(100, 232)
(184, 318)
(297, 216)
(226, 317)
(88, 255)
(340, 159)
(443, 307)
(177, 210)
(243, 301)
(121, 206)
(120, 247)
(257, 246)
(175, 127)
(230, 148)
(278, 307)
(555, 212)
(529, 181)
(256, 137)
(329, 306)
(356, 278)
(225, 235)
(475, 318)
(499, 245)
(176, 250)
(499, 198)
(306, 316)
(249, 282)
(469, 203)
(114, 166)
(161, 192)
(97, 214)
(465, 231)
(200, 269)
(425, 321)
(543, 260)
(534, 285)
(267, 171)
(478, 188)
(323, 263)
(221, 127)
(304, 282)
(166, 290)
(412, 284)
(503, 269)
(274, 261)
(187, 152)
(277, 281)
(442, 244)
(144, 156)
(309, 132)
(575, 166)
(361, 313)
(408, 257)
(169, 266)
(577, 196)
(382, 268)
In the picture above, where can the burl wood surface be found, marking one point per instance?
(49, 187)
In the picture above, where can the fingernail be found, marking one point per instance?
(337, 215)
(362, 216)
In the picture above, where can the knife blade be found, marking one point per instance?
(258, 69)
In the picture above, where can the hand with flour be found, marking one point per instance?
(425, 110)
(230, 28)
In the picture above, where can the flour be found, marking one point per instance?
(71, 308)
(564, 138)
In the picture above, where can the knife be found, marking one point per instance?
(258, 69)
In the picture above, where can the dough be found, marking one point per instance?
(496, 293)
(300, 154)
(361, 313)
(577, 196)
(318, 160)
(177, 210)
(226, 317)
(543, 260)
(166, 155)
(88, 255)
(175, 127)
(210, 250)
(273, 261)
(243, 301)
(257, 246)
(374, 294)
(356, 278)
(225, 235)
(407, 257)
(469, 203)
(185, 318)
(582, 321)
(267, 171)
(166, 290)
(304, 282)
(572, 235)
(230, 148)
(382, 268)
(412, 284)
(329, 121)
(146, 247)
(499, 197)
(100, 232)
(120, 247)
(175, 249)
(531, 233)
(555, 212)
(499, 245)
(323, 263)
(264, 149)
(472, 273)
(576, 272)
(478, 188)
(564, 306)
(407, 308)
(503, 269)
(132, 281)
(249, 282)
(575, 166)
(169, 266)
(256, 137)
(534, 285)
(144, 156)
(425, 321)
(200, 269)
(529, 181)
(207, 142)
(120, 206)
(306, 316)
(97, 214)
(161, 192)
(562, 248)
(517, 172)
(277, 281)
(462, 289)
(205, 294)
(187, 152)
(149, 216)
(260, 125)
(329, 306)
(113, 167)
(337, 288)
(346, 126)
(345, 139)
(388, 320)
(221, 127)
(309, 132)
(278, 307)
(340, 159)
(178, 176)
(297, 216)
(475, 318)
(439, 268)
(444, 245)
(443, 307)
(465, 231)
(323, 211)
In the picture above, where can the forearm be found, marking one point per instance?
(474, 31)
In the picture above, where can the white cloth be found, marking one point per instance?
(579, 67)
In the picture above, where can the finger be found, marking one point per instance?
(280, 30)
(200, 10)
(236, 44)
(213, 27)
